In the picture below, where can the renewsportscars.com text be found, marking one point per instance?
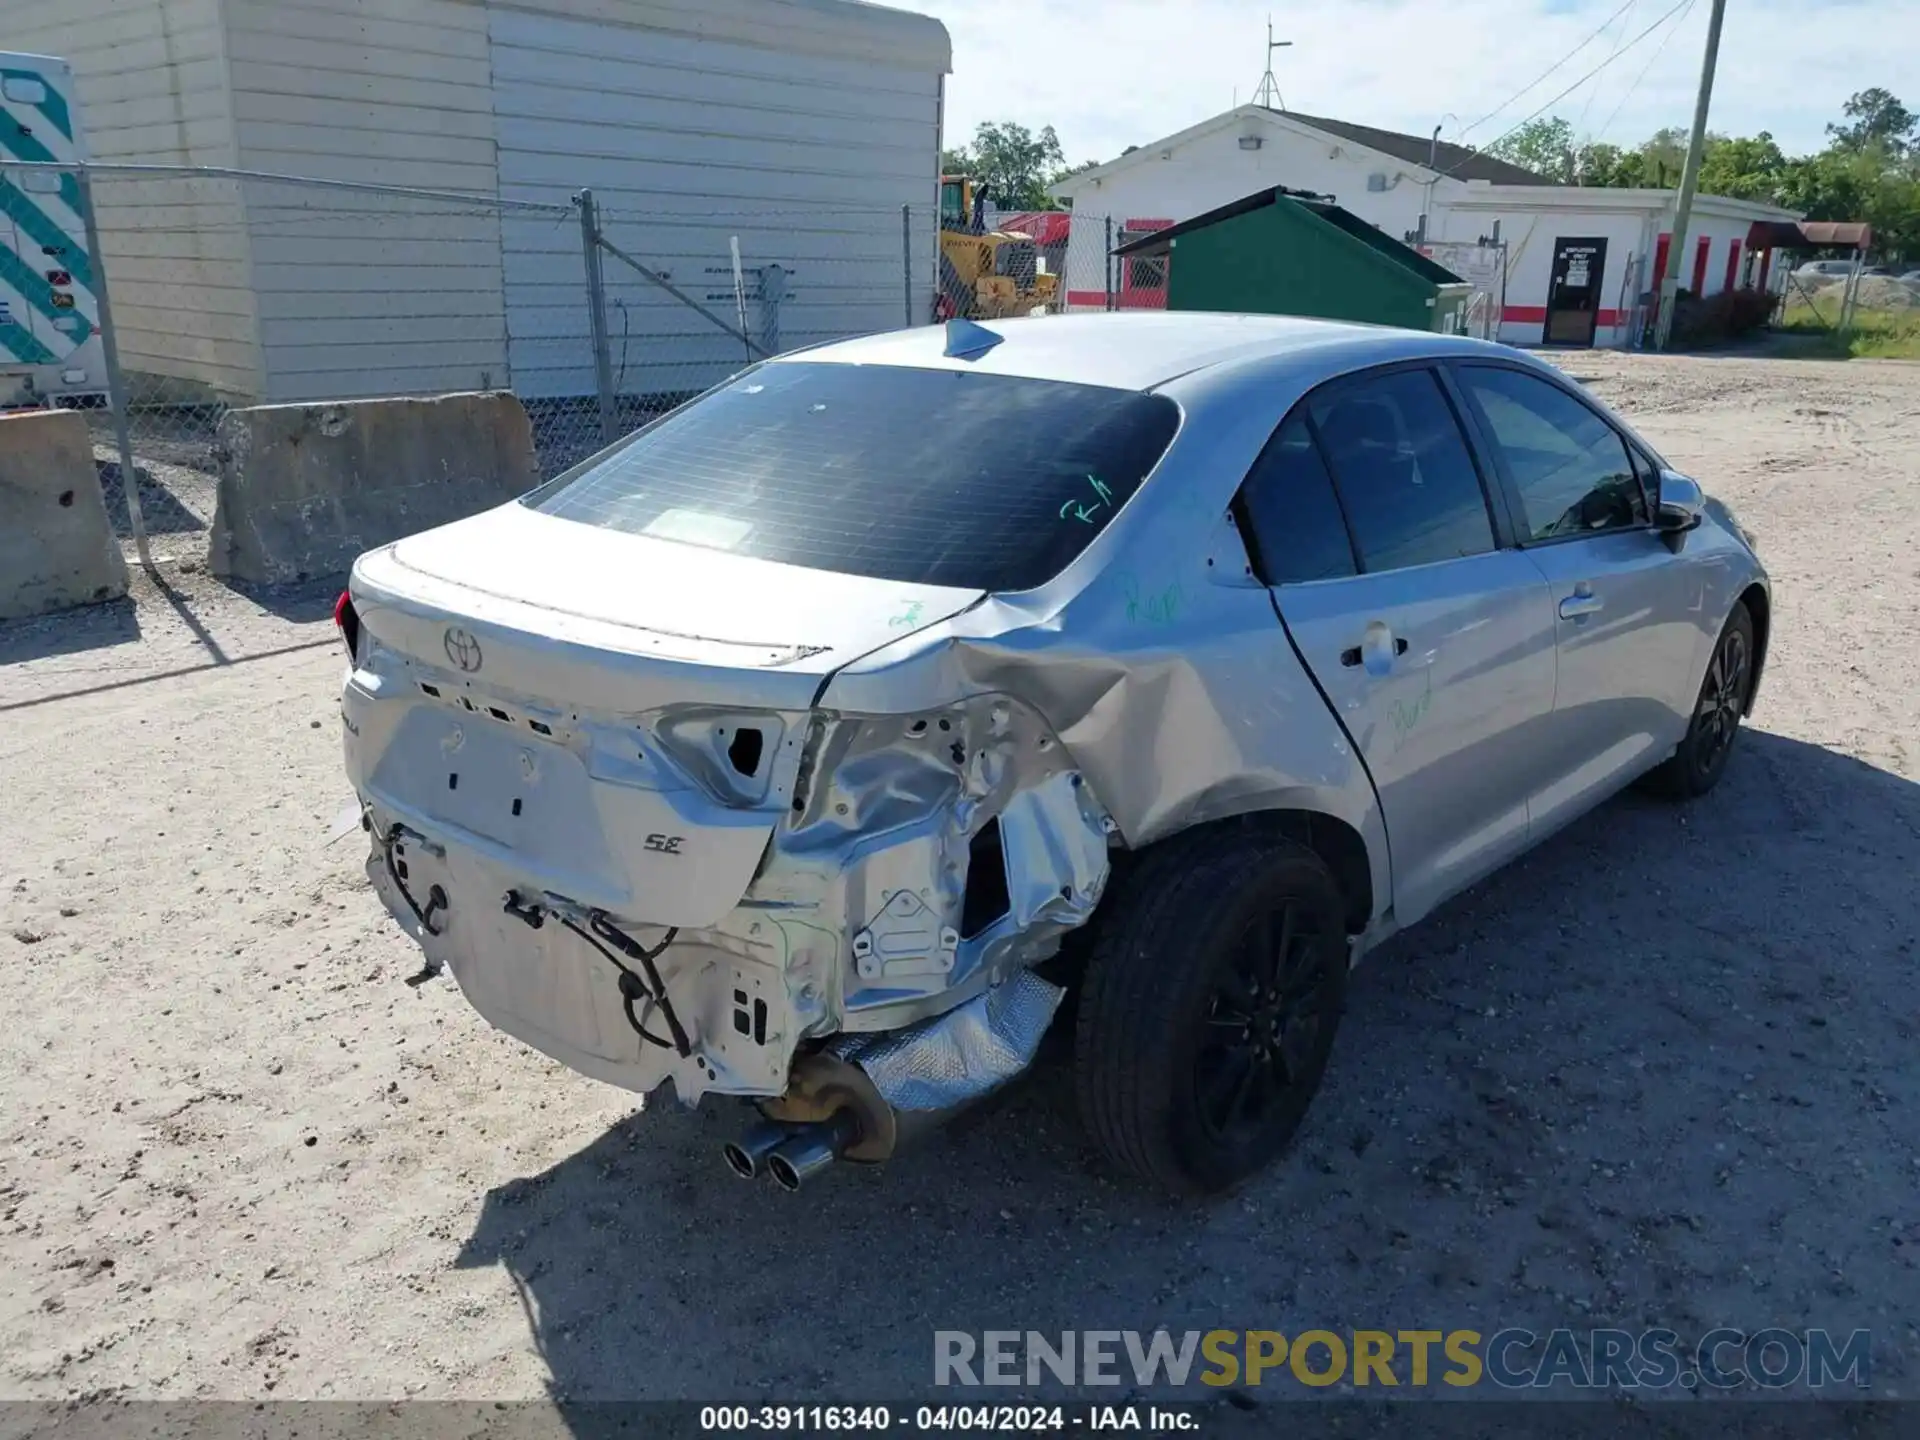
(1509, 1359)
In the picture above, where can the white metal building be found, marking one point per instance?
(691, 120)
(1578, 257)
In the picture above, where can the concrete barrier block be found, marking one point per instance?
(56, 546)
(304, 489)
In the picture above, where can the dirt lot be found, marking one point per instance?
(1661, 1072)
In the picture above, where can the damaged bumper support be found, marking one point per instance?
(868, 970)
(863, 1096)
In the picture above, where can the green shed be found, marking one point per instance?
(1285, 252)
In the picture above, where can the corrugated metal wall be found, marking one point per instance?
(152, 86)
(685, 142)
(801, 126)
(362, 294)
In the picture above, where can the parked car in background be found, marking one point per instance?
(1819, 272)
(769, 751)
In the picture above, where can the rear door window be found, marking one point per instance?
(1407, 481)
(925, 477)
(1292, 514)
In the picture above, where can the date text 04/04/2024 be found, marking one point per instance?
(1000, 1419)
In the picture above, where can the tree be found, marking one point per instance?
(1663, 155)
(1745, 169)
(1060, 175)
(1880, 121)
(1598, 163)
(1542, 146)
(1011, 163)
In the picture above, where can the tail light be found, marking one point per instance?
(347, 621)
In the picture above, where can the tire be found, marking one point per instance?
(1168, 1003)
(1696, 767)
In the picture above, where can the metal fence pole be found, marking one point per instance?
(116, 382)
(597, 311)
(1106, 279)
(906, 258)
(773, 289)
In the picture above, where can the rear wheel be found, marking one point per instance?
(1208, 1010)
(1696, 767)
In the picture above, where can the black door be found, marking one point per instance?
(1573, 291)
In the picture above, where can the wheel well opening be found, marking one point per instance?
(1333, 840)
(1755, 599)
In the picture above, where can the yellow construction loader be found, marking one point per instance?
(985, 276)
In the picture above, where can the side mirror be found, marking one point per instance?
(1679, 507)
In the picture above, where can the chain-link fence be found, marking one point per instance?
(157, 298)
(1483, 265)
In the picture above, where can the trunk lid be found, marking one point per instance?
(566, 705)
(619, 622)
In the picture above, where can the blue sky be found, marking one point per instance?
(1125, 72)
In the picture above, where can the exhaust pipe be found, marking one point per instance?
(747, 1156)
(812, 1148)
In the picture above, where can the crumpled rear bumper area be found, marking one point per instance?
(924, 864)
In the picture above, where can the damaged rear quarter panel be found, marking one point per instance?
(1157, 659)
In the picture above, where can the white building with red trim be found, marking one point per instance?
(1579, 260)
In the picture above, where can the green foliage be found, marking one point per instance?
(1598, 163)
(1724, 316)
(1011, 162)
(1879, 121)
(1542, 146)
(1869, 171)
(1744, 168)
(1880, 334)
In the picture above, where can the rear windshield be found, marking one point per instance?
(925, 477)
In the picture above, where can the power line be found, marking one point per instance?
(1618, 44)
(1645, 69)
(1549, 70)
(1520, 125)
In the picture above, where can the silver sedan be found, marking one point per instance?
(811, 744)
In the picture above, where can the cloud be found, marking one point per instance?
(1123, 73)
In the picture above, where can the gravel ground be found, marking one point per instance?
(1658, 1073)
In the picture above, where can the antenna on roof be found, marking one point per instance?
(966, 340)
(1268, 95)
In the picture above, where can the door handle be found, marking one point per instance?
(1580, 603)
(1352, 658)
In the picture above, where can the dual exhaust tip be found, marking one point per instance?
(792, 1154)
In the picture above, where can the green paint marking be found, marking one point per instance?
(1161, 607)
(1084, 510)
(1406, 715)
(908, 616)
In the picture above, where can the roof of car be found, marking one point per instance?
(1133, 351)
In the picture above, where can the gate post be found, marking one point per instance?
(770, 292)
(597, 312)
(117, 395)
(906, 258)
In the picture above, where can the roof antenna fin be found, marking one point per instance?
(965, 339)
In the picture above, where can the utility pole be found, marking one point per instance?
(1689, 181)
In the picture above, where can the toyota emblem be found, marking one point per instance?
(463, 650)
